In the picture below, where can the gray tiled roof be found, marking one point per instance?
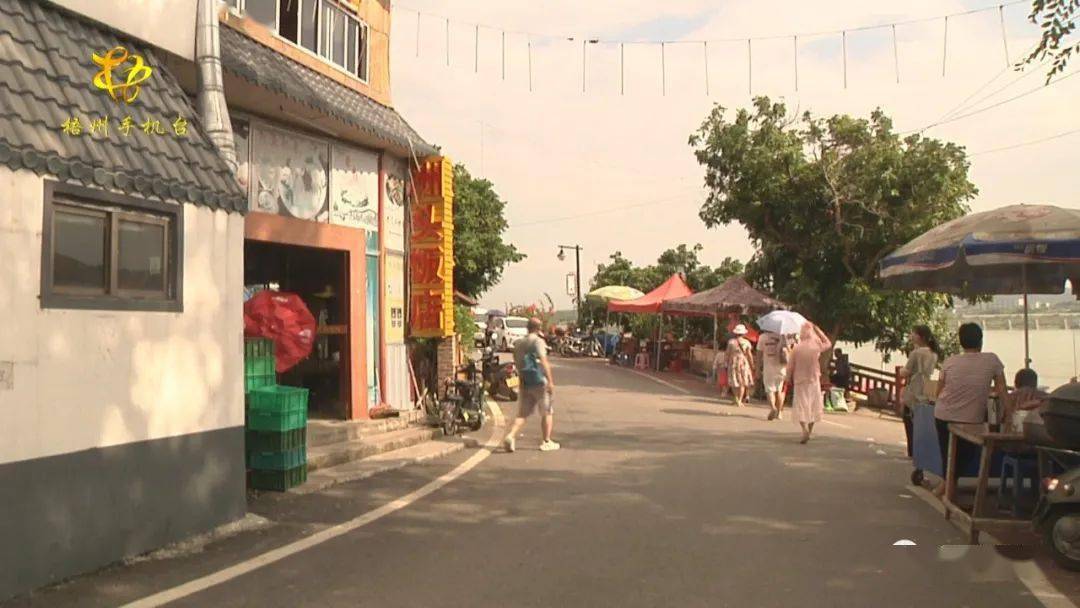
(267, 68)
(45, 79)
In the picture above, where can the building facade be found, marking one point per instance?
(131, 245)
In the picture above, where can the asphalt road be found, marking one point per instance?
(659, 497)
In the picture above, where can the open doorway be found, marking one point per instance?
(320, 278)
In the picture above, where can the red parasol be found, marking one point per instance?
(285, 319)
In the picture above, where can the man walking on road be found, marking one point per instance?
(537, 386)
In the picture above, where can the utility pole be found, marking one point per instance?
(577, 274)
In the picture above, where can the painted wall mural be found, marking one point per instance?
(354, 182)
(397, 189)
(289, 174)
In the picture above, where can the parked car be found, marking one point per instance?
(506, 331)
(480, 317)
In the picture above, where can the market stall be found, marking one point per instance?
(652, 302)
(1020, 249)
(733, 298)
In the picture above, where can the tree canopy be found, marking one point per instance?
(480, 253)
(1057, 18)
(823, 201)
(682, 258)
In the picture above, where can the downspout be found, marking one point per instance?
(210, 101)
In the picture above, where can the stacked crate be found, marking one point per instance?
(276, 424)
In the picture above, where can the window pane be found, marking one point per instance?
(350, 51)
(362, 68)
(327, 23)
(339, 38)
(309, 24)
(141, 258)
(78, 250)
(263, 11)
(288, 13)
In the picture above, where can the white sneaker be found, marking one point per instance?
(549, 446)
(508, 443)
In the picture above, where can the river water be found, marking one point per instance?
(1054, 353)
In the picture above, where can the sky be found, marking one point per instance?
(612, 171)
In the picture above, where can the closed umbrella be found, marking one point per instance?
(783, 322)
(1019, 249)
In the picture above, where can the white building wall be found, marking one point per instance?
(168, 24)
(83, 379)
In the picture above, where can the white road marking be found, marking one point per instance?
(1027, 571)
(221, 576)
(659, 381)
(843, 426)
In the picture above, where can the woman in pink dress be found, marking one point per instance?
(804, 374)
(740, 365)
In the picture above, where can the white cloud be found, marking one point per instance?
(557, 152)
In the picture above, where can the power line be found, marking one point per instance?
(1027, 143)
(993, 105)
(596, 40)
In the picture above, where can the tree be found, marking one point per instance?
(1057, 18)
(684, 259)
(480, 254)
(824, 201)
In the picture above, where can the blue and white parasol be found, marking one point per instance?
(1020, 249)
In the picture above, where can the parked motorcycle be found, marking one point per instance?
(463, 406)
(500, 378)
(1058, 512)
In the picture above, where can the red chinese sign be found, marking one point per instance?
(431, 261)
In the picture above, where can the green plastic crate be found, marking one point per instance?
(254, 382)
(278, 399)
(278, 461)
(274, 441)
(258, 347)
(259, 366)
(265, 420)
(278, 481)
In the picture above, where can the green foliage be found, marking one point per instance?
(480, 254)
(824, 201)
(464, 324)
(1057, 18)
(684, 259)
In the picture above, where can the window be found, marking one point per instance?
(326, 28)
(107, 251)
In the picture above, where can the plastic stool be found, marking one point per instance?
(1021, 467)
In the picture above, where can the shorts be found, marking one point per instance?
(532, 398)
(774, 378)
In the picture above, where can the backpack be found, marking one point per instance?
(531, 372)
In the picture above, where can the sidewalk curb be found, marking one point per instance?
(1029, 573)
(453, 445)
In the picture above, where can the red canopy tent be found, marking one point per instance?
(652, 302)
(674, 287)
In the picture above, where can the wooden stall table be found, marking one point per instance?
(980, 517)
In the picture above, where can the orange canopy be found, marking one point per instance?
(674, 287)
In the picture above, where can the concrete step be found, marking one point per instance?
(327, 432)
(333, 454)
(381, 463)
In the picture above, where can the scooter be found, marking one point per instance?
(463, 406)
(1058, 512)
(500, 378)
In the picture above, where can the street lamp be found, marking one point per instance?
(577, 276)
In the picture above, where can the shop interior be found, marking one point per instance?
(320, 278)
